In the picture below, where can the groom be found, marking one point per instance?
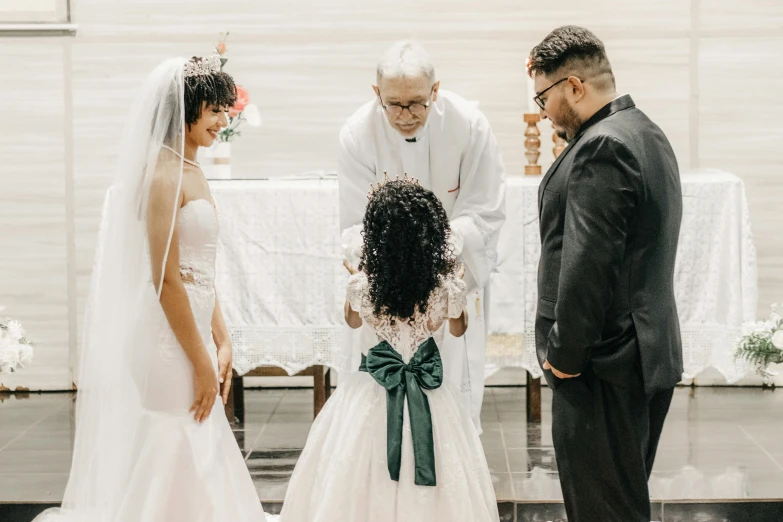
(607, 332)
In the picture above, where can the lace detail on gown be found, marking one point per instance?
(447, 301)
(198, 230)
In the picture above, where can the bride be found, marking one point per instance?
(152, 442)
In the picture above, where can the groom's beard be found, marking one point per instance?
(568, 122)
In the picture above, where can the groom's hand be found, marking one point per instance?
(558, 373)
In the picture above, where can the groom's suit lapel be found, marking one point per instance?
(619, 104)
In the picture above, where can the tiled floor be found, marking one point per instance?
(718, 444)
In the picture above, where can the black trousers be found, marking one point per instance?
(605, 438)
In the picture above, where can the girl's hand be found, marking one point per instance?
(348, 266)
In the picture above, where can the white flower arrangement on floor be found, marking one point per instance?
(16, 351)
(763, 344)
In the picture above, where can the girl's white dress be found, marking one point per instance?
(342, 474)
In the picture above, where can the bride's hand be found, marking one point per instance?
(206, 384)
(225, 373)
(461, 271)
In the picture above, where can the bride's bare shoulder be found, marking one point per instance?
(166, 176)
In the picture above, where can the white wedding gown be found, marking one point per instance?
(342, 474)
(185, 471)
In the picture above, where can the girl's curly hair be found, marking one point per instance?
(406, 250)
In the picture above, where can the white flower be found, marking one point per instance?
(252, 115)
(25, 355)
(15, 330)
(757, 327)
(8, 356)
(777, 339)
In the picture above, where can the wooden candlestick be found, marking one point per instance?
(560, 144)
(532, 145)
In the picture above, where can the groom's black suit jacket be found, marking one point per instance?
(610, 209)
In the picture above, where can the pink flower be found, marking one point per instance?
(221, 48)
(243, 98)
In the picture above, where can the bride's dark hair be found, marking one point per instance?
(214, 90)
(406, 250)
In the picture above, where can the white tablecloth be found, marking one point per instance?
(281, 282)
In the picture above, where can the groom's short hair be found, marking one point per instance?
(572, 51)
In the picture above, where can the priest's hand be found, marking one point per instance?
(348, 266)
(558, 373)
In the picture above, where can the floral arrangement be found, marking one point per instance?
(763, 344)
(242, 110)
(16, 351)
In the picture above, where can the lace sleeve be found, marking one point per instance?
(449, 300)
(455, 295)
(357, 292)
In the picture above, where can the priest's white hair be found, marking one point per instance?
(405, 59)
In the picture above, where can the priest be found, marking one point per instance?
(413, 127)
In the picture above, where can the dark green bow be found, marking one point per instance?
(424, 371)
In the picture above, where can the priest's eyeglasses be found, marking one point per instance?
(416, 109)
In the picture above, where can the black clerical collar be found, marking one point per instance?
(411, 140)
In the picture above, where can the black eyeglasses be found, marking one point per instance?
(540, 101)
(416, 109)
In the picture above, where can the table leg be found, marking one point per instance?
(319, 390)
(229, 407)
(533, 394)
(328, 383)
(238, 391)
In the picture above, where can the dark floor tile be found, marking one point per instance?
(22, 512)
(492, 440)
(493, 426)
(504, 490)
(524, 435)
(496, 460)
(272, 461)
(714, 458)
(272, 507)
(513, 404)
(512, 416)
(506, 510)
(656, 511)
(280, 439)
(526, 459)
(537, 485)
(538, 512)
(32, 487)
(271, 487)
(687, 433)
(752, 511)
(42, 439)
(292, 417)
(39, 461)
(731, 484)
(555, 512)
(489, 416)
(766, 435)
